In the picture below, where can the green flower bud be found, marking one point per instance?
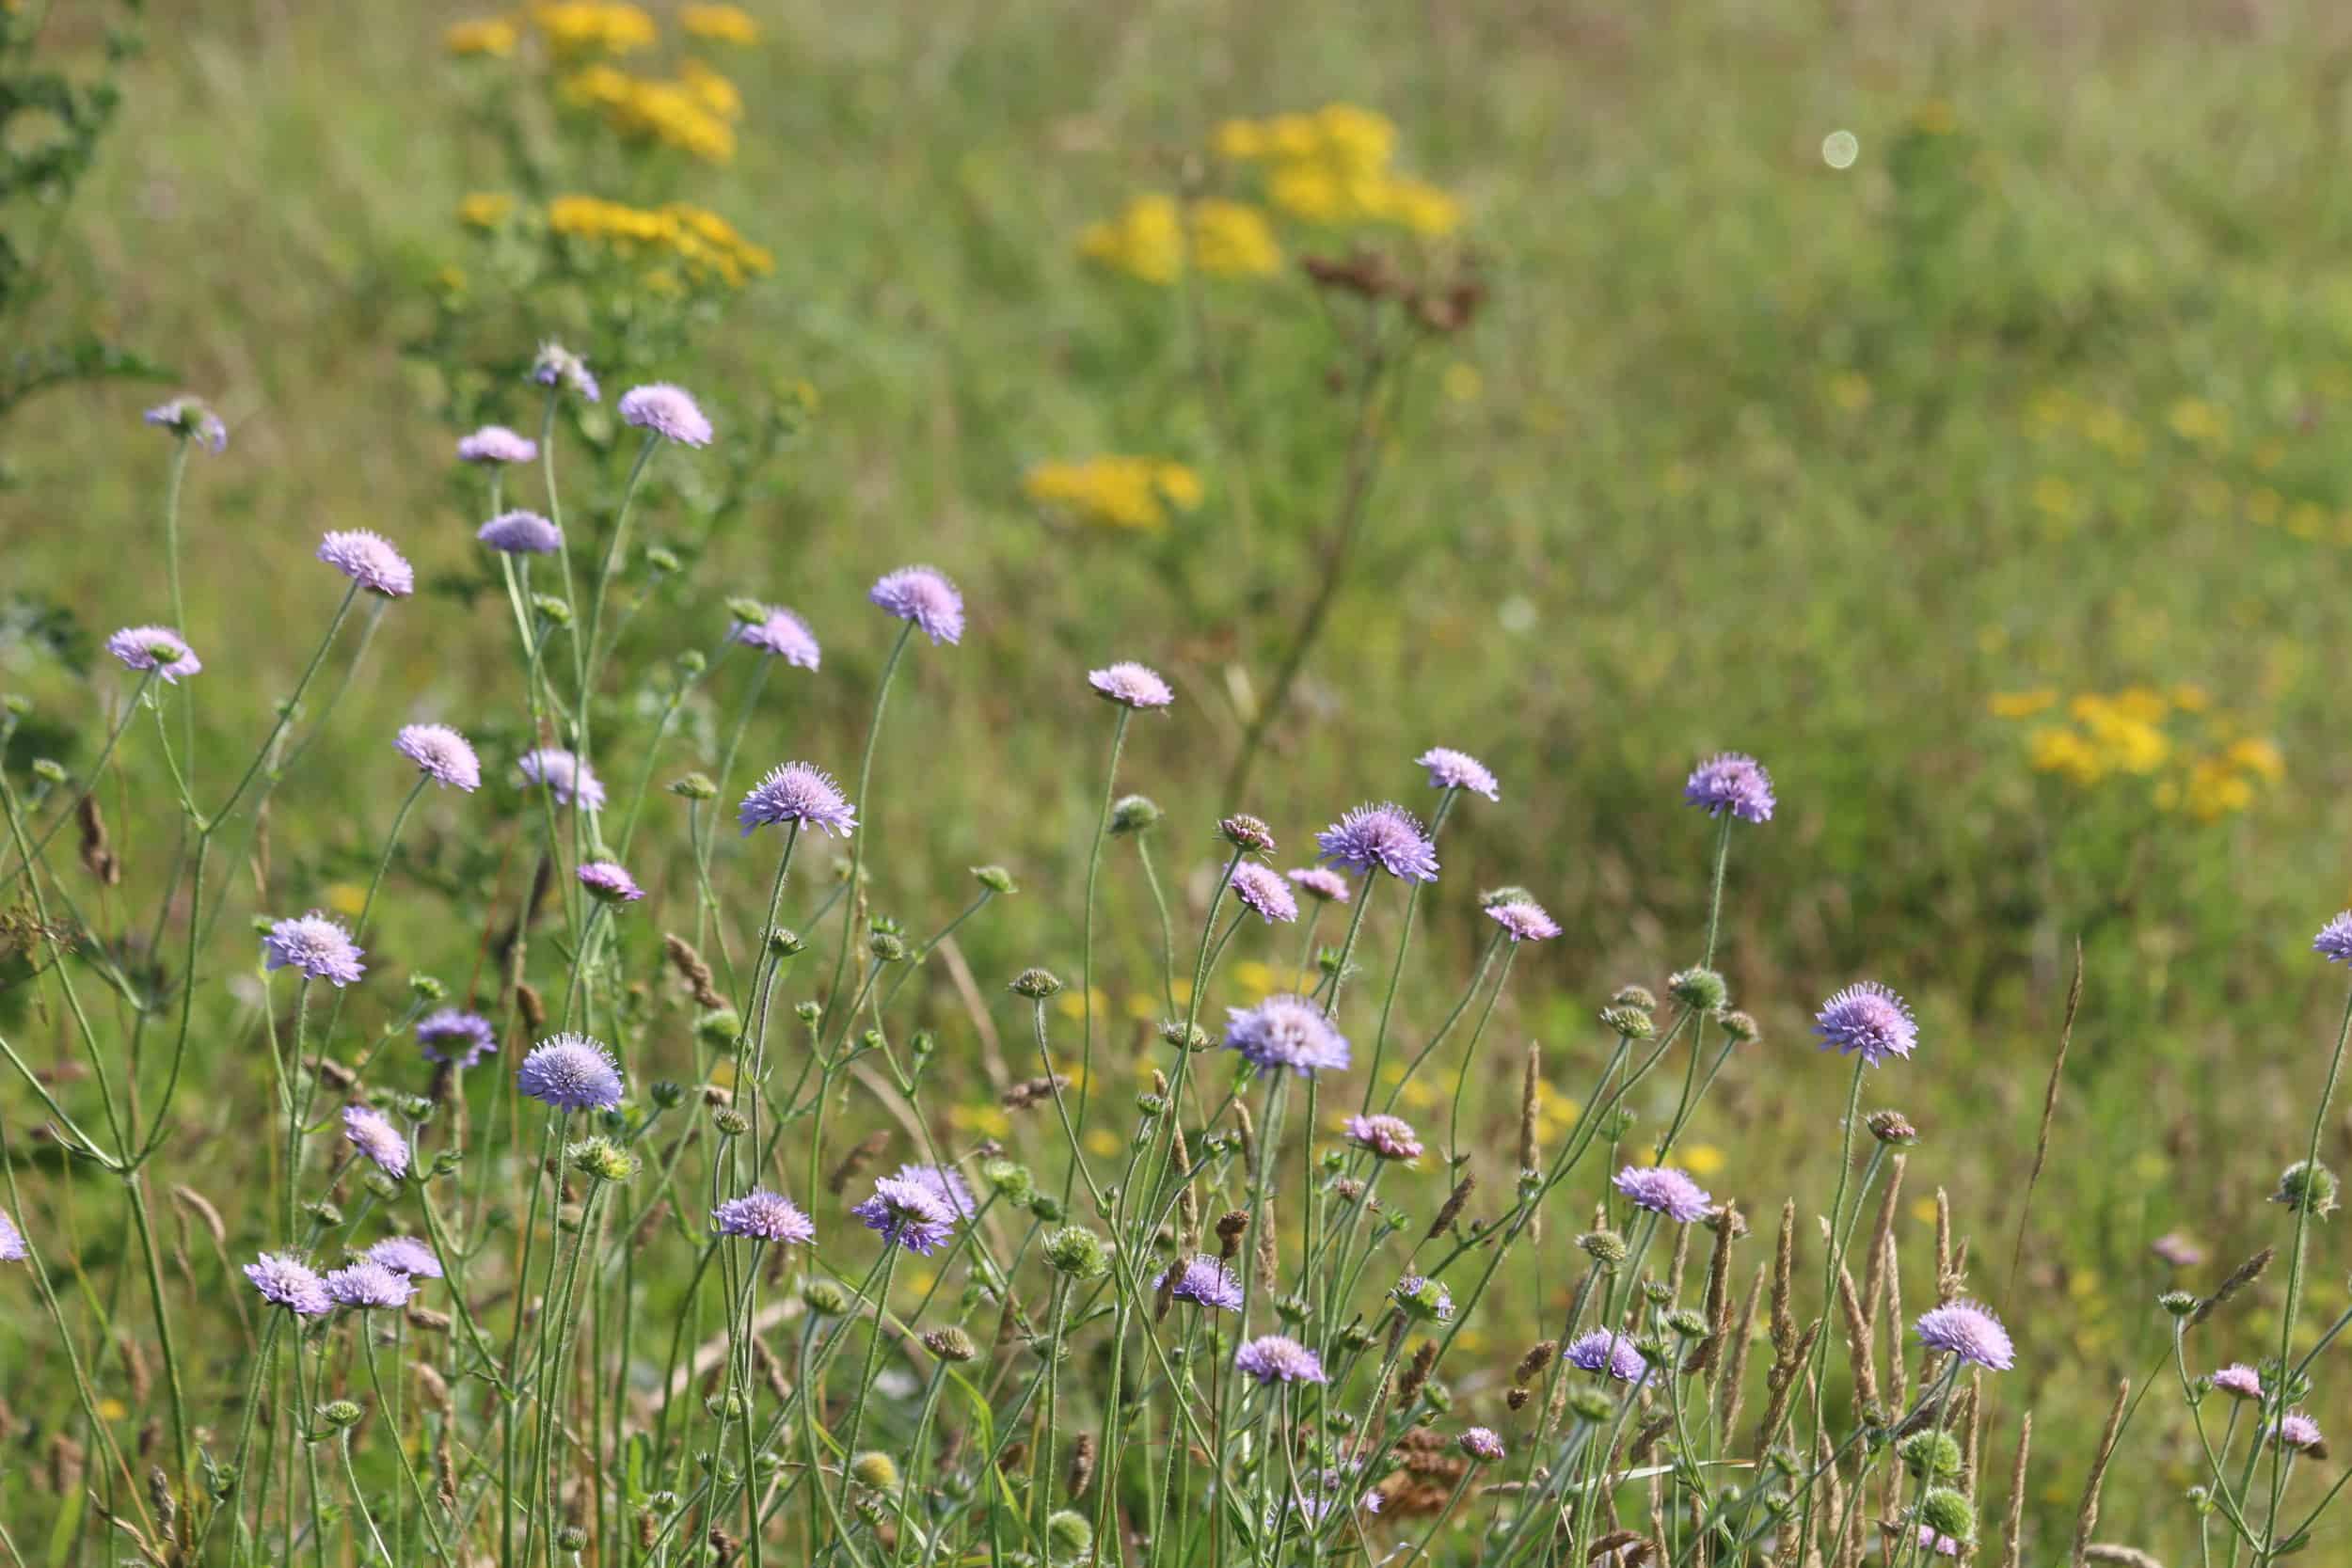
(2180, 1304)
(1631, 1022)
(667, 1094)
(1035, 984)
(1686, 1323)
(747, 612)
(1133, 814)
(808, 1012)
(49, 770)
(1078, 1252)
(1068, 1535)
(1591, 1406)
(571, 1538)
(1635, 996)
(1193, 1039)
(1603, 1246)
(555, 610)
(342, 1415)
(426, 987)
(1741, 1027)
(994, 878)
(663, 560)
(1045, 1207)
(785, 943)
(951, 1344)
(1009, 1178)
(1892, 1127)
(1948, 1512)
(601, 1160)
(1495, 897)
(2307, 1187)
(876, 1469)
(825, 1298)
(694, 786)
(730, 1122)
(1700, 988)
(1930, 1456)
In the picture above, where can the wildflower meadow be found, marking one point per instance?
(1177, 787)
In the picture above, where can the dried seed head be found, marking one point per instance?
(2240, 1277)
(693, 970)
(1081, 1464)
(1741, 1027)
(949, 1344)
(1453, 1207)
(533, 1006)
(1230, 1224)
(1531, 1365)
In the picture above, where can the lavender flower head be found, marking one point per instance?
(907, 1213)
(1452, 769)
(1278, 1358)
(610, 881)
(558, 366)
(456, 1037)
(190, 417)
(1321, 882)
(1389, 1137)
(1483, 1444)
(670, 412)
(1424, 1297)
(406, 1254)
(2177, 1250)
(797, 792)
(1205, 1282)
(1869, 1017)
(1663, 1189)
(570, 1072)
(1286, 1031)
(494, 444)
(157, 648)
(319, 947)
(284, 1280)
(924, 596)
(782, 634)
(369, 559)
(1522, 921)
(440, 754)
(2334, 942)
(520, 533)
(1131, 685)
(1732, 782)
(1266, 891)
(761, 1215)
(567, 777)
(1610, 1354)
(12, 1248)
(2239, 1379)
(1969, 1331)
(1933, 1540)
(368, 1284)
(944, 1182)
(375, 1136)
(2295, 1430)
(1380, 837)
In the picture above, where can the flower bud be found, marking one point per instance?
(876, 1469)
(808, 1012)
(1892, 1127)
(1035, 984)
(825, 1298)
(730, 1122)
(1932, 1455)
(1193, 1039)
(1603, 1246)
(1631, 1022)
(747, 612)
(342, 1415)
(951, 1344)
(694, 786)
(994, 878)
(1497, 897)
(1077, 1252)
(1045, 1207)
(571, 1538)
(1635, 996)
(785, 943)
(1134, 814)
(555, 610)
(49, 770)
(426, 987)
(1010, 1179)
(1591, 1406)
(2307, 1187)
(1068, 1536)
(886, 946)
(2180, 1304)
(1947, 1511)
(601, 1160)
(1246, 834)
(1742, 1027)
(1702, 989)
(1686, 1323)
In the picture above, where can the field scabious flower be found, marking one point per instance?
(1278, 1358)
(1610, 1354)
(1483, 1444)
(2239, 1379)
(570, 1072)
(670, 412)
(1732, 782)
(924, 596)
(1266, 891)
(2295, 1430)
(567, 777)
(456, 1037)
(1286, 1031)
(1321, 882)
(368, 1284)
(520, 533)
(375, 1136)
(559, 367)
(406, 1254)
(1381, 837)
(1452, 769)
(908, 1214)
(1423, 1298)
(189, 418)
(319, 947)
(797, 792)
(1522, 921)
(944, 1182)
(761, 1215)
(1131, 685)
(440, 754)
(369, 559)
(1969, 1331)
(1663, 1189)
(610, 881)
(2334, 942)
(495, 444)
(157, 648)
(1933, 1540)
(781, 634)
(1205, 1282)
(284, 1280)
(1387, 1137)
(1868, 1017)
(12, 1248)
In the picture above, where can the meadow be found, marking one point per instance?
(1944, 410)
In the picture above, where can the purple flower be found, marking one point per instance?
(2177, 1250)
(1663, 1189)
(1423, 1298)
(797, 792)
(570, 1072)
(369, 560)
(2295, 1430)
(1731, 782)
(610, 881)
(406, 1254)
(782, 634)
(1389, 1137)
(567, 777)
(368, 1284)
(2334, 942)
(12, 1248)
(1869, 1017)
(1969, 1331)
(495, 443)
(285, 1281)
(456, 1037)
(1482, 1444)
(668, 411)
(1380, 837)
(1319, 881)
(1938, 1543)
(1452, 769)
(1612, 1355)
(1266, 891)
(522, 534)
(1523, 921)
(440, 754)
(761, 1215)
(188, 417)
(944, 1182)
(1131, 685)
(907, 1213)
(2240, 1380)
(1205, 1282)
(558, 366)
(924, 596)
(1278, 1358)
(157, 648)
(319, 947)
(375, 1136)
(1286, 1031)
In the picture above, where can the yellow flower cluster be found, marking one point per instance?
(705, 243)
(1230, 239)
(1115, 492)
(574, 27)
(719, 23)
(485, 209)
(489, 34)
(2131, 734)
(694, 113)
(1333, 166)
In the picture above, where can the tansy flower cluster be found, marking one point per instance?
(694, 112)
(574, 27)
(719, 23)
(2200, 762)
(1148, 240)
(1333, 167)
(706, 244)
(1131, 493)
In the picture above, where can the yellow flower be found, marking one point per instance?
(2057, 750)
(988, 1120)
(2022, 705)
(1071, 1004)
(347, 898)
(1233, 239)
(715, 92)
(1240, 140)
(1355, 139)
(1415, 204)
(592, 26)
(1145, 241)
(1131, 493)
(706, 244)
(1103, 1143)
(2259, 757)
(1180, 484)
(489, 34)
(2191, 698)
(485, 209)
(719, 23)
(1256, 977)
(1702, 1159)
